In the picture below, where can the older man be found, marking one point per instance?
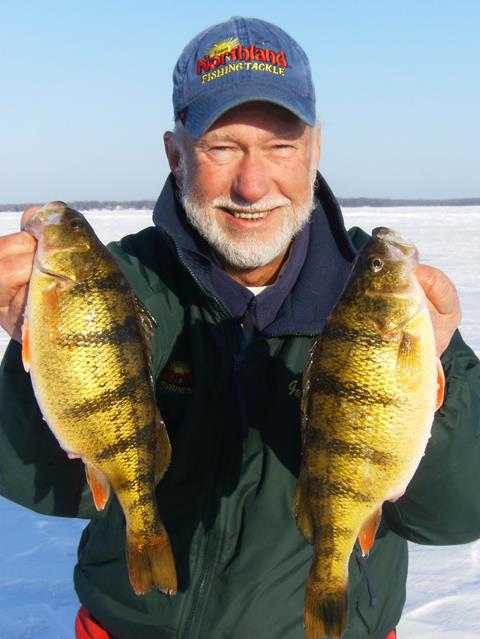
(240, 285)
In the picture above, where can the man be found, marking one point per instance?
(240, 285)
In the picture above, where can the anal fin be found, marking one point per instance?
(367, 533)
(99, 485)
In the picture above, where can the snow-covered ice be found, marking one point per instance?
(37, 553)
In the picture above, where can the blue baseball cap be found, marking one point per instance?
(241, 60)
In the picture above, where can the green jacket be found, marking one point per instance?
(227, 498)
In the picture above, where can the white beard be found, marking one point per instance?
(251, 250)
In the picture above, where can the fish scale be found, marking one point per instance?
(370, 393)
(86, 344)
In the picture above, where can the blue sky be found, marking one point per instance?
(86, 93)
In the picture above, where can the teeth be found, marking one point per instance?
(248, 216)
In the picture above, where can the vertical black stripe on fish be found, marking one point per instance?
(340, 331)
(139, 435)
(104, 400)
(111, 281)
(141, 477)
(320, 488)
(329, 551)
(361, 395)
(115, 334)
(317, 438)
(328, 531)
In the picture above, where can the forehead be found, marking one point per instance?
(265, 116)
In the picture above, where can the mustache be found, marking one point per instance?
(250, 207)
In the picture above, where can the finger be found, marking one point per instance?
(13, 316)
(438, 288)
(15, 273)
(16, 244)
(28, 214)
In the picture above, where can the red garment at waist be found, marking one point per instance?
(86, 627)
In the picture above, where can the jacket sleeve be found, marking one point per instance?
(442, 502)
(34, 471)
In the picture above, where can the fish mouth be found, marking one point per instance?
(50, 213)
(398, 244)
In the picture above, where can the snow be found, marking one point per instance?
(37, 553)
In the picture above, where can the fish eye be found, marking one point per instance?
(76, 224)
(375, 264)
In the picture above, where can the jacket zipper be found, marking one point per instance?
(212, 546)
(208, 557)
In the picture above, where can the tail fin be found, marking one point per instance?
(150, 563)
(326, 611)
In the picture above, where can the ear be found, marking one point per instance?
(173, 156)
(315, 151)
(317, 143)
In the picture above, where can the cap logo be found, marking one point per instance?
(224, 47)
(229, 56)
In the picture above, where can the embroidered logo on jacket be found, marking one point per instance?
(177, 378)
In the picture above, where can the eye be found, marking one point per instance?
(375, 264)
(76, 224)
(283, 150)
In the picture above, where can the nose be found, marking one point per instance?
(252, 181)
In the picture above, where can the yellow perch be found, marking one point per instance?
(86, 343)
(371, 388)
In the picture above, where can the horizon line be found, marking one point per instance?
(148, 204)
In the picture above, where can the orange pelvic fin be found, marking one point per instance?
(25, 346)
(326, 611)
(150, 563)
(99, 485)
(366, 536)
(440, 384)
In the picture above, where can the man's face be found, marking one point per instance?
(246, 184)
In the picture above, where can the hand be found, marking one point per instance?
(443, 303)
(16, 259)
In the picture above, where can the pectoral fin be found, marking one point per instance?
(440, 384)
(408, 355)
(368, 531)
(51, 312)
(99, 485)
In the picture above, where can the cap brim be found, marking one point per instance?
(204, 111)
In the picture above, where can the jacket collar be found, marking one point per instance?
(300, 301)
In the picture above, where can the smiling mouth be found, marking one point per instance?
(244, 215)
